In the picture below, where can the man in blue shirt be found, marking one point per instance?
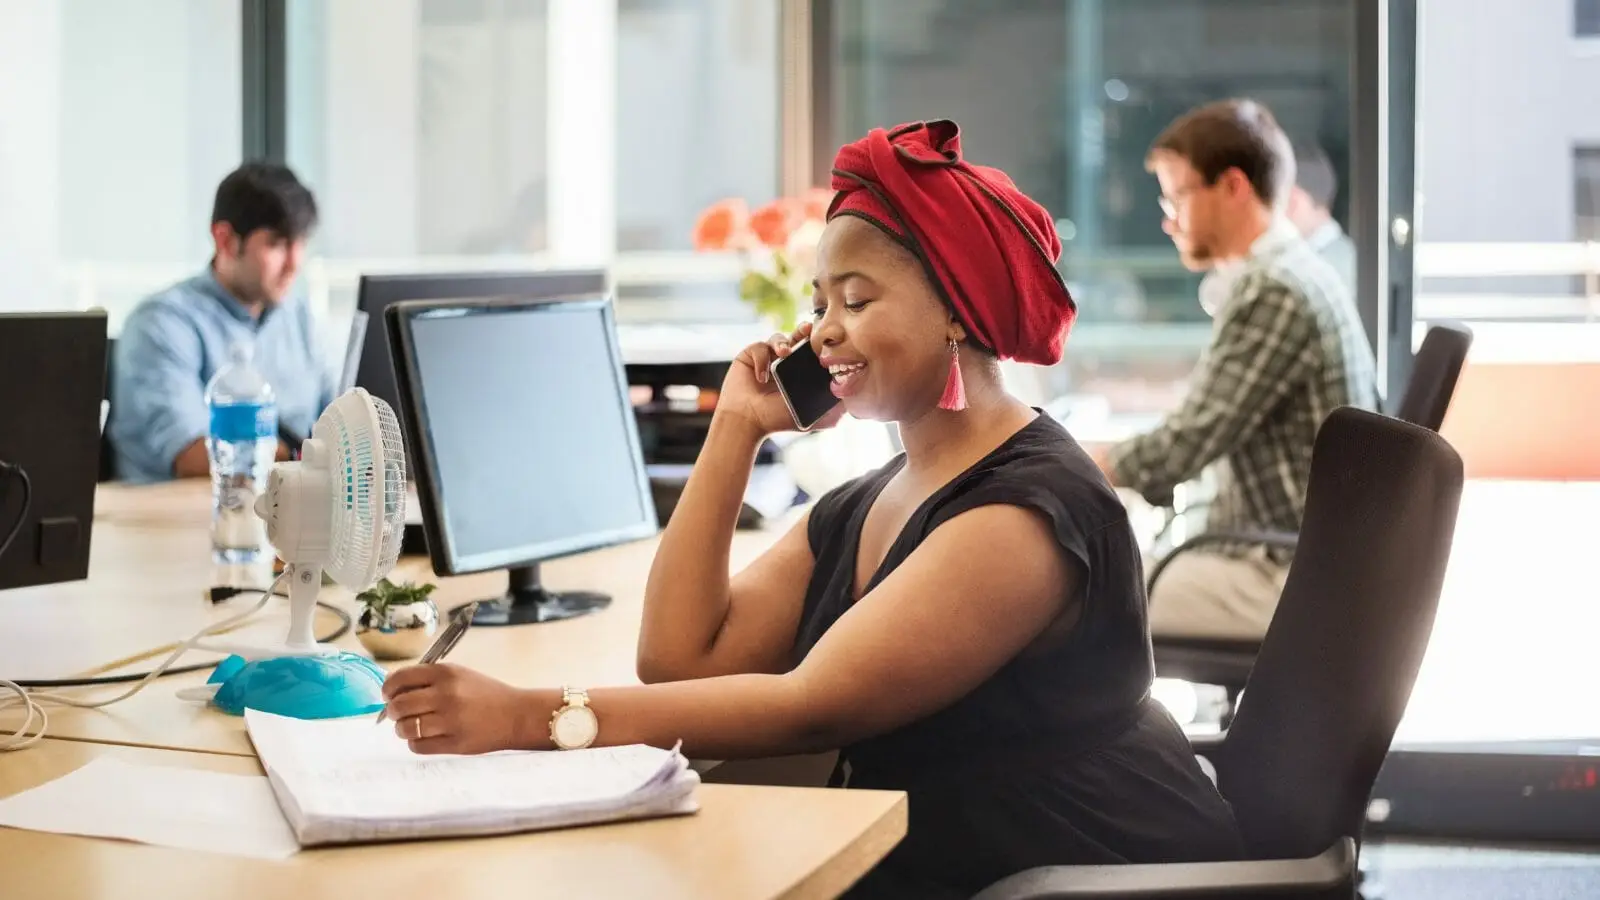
(175, 341)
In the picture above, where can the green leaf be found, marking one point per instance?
(386, 593)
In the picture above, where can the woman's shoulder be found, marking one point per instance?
(1043, 461)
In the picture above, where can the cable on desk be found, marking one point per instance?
(30, 697)
(345, 624)
(33, 700)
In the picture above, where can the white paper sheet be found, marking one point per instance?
(162, 805)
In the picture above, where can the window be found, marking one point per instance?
(1586, 18)
(421, 127)
(1586, 193)
(110, 156)
(1067, 97)
(697, 113)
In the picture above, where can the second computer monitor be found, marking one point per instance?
(523, 441)
(375, 293)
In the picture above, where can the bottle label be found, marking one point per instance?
(244, 422)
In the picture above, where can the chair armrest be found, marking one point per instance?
(1322, 875)
(1287, 540)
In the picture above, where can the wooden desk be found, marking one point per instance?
(151, 565)
(746, 842)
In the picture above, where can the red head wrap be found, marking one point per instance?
(989, 248)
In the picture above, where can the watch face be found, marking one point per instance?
(576, 727)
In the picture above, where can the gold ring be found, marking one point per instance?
(418, 728)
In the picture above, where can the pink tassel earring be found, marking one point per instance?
(955, 390)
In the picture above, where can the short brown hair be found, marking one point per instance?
(1234, 134)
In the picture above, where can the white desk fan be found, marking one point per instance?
(339, 509)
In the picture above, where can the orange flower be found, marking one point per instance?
(724, 225)
(773, 222)
(816, 201)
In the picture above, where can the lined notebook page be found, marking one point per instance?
(353, 771)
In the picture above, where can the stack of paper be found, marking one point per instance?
(348, 780)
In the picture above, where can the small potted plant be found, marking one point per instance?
(397, 621)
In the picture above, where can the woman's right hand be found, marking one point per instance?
(749, 391)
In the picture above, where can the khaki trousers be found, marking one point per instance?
(1208, 595)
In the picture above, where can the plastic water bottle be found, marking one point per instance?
(242, 443)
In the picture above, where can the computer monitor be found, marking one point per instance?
(524, 442)
(355, 343)
(52, 379)
(374, 294)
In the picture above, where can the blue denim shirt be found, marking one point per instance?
(171, 345)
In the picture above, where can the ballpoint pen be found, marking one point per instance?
(460, 619)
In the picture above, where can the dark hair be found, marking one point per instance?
(1314, 173)
(1234, 134)
(265, 195)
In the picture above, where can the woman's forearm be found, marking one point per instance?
(686, 598)
(729, 717)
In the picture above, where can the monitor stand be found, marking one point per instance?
(527, 602)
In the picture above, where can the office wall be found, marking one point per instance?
(116, 122)
(1527, 421)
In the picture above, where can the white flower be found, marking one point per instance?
(802, 245)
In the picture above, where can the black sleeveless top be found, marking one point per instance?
(1061, 757)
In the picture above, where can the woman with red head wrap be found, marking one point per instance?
(966, 624)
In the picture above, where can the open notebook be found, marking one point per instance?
(343, 781)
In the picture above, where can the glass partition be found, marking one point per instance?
(1067, 98)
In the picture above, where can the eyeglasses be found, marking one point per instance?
(1171, 206)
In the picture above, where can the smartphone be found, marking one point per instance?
(806, 386)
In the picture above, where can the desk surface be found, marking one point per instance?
(151, 565)
(746, 842)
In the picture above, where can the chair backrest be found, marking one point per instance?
(1337, 664)
(1434, 373)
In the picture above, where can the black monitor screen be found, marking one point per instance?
(531, 447)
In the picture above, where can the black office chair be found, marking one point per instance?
(1333, 677)
(1227, 663)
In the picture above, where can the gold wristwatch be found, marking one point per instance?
(573, 726)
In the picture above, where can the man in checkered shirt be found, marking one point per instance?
(1287, 347)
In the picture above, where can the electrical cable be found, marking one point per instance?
(33, 701)
(28, 694)
(21, 475)
(345, 624)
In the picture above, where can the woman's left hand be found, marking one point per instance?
(443, 708)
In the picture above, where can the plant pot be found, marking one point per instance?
(397, 631)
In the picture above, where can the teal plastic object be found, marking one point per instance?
(302, 687)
